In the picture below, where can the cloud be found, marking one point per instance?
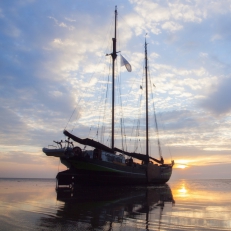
(20, 157)
(13, 128)
(216, 37)
(40, 90)
(171, 26)
(168, 16)
(218, 100)
(52, 57)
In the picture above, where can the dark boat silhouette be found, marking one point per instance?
(107, 165)
(100, 206)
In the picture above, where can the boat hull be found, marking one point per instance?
(96, 172)
(56, 152)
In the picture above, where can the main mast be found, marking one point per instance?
(114, 55)
(146, 78)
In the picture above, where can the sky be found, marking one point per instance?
(54, 75)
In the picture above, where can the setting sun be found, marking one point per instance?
(182, 166)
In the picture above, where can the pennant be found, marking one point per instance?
(125, 63)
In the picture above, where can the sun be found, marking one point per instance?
(182, 166)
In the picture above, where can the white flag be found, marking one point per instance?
(125, 63)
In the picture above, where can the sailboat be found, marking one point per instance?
(107, 165)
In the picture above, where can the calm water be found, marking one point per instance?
(34, 204)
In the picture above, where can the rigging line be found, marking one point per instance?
(89, 132)
(119, 98)
(163, 127)
(127, 99)
(140, 107)
(121, 102)
(100, 59)
(70, 117)
(104, 109)
(155, 120)
(149, 78)
(123, 124)
(125, 136)
(109, 134)
(137, 143)
(102, 117)
(137, 121)
(121, 109)
(138, 124)
(81, 98)
(161, 120)
(88, 100)
(101, 98)
(119, 89)
(133, 82)
(123, 133)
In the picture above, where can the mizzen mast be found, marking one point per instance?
(146, 79)
(113, 55)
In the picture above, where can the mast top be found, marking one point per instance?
(146, 40)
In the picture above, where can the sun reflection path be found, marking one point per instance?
(202, 204)
(182, 192)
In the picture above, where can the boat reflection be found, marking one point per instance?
(105, 207)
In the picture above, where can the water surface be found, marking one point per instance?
(34, 204)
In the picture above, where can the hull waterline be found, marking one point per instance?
(95, 172)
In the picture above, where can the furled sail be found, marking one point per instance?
(100, 146)
(139, 156)
(88, 142)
